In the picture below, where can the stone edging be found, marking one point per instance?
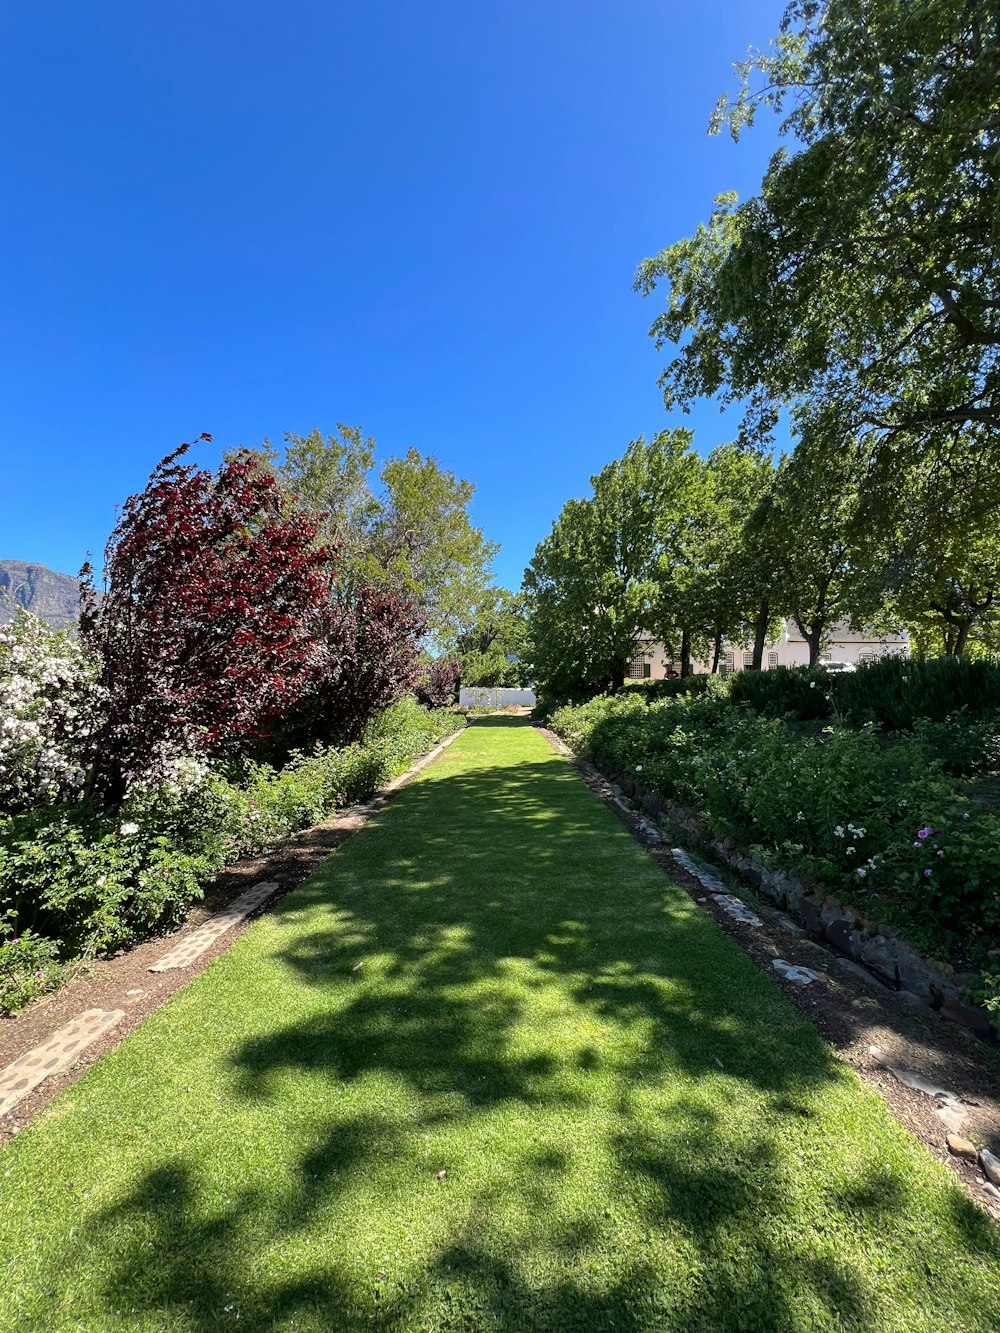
(881, 949)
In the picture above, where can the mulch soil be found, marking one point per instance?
(853, 1013)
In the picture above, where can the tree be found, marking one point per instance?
(204, 635)
(592, 583)
(864, 274)
(943, 572)
(734, 585)
(493, 647)
(409, 532)
(437, 685)
(824, 552)
(424, 545)
(366, 656)
(330, 476)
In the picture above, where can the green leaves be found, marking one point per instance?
(863, 274)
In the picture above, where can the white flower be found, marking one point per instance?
(638, 768)
(129, 828)
(850, 851)
(838, 832)
(862, 871)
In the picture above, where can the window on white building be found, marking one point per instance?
(867, 657)
(638, 668)
(748, 659)
(772, 660)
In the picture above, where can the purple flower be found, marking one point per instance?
(39, 976)
(862, 871)
(924, 832)
(927, 873)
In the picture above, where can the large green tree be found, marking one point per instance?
(592, 584)
(827, 558)
(406, 529)
(493, 647)
(713, 586)
(943, 570)
(864, 273)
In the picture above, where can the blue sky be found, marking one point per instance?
(425, 220)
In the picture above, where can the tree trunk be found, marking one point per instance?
(618, 666)
(685, 653)
(961, 639)
(814, 638)
(760, 635)
(716, 652)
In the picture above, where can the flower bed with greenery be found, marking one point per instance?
(79, 880)
(874, 817)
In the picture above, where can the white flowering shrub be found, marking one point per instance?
(48, 701)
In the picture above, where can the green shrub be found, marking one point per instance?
(844, 805)
(86, 881)
(894, 692)
(667, 689)
(805, 693)
(29, 966)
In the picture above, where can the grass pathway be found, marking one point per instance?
(486, 1070)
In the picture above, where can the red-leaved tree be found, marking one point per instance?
(367, 656)
(204, 635)
(438, 685)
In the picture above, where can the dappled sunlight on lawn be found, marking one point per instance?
(489, 1070)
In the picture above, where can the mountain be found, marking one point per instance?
(52, 597)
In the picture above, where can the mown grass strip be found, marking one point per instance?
(486, 1070)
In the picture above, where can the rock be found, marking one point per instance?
(802, 976)
(728, 844)
(737, 909)
(879, 954)
(886, 931)
(752, 873)
(966, 1014)
(960, 1147)
(856, 970)
(840, 933)
(809, 911)
(917, 1082)
(953, 1115)
(991, 1165)
(992, 1191)
(793, 927)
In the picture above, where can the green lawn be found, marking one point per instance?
(486, 1070)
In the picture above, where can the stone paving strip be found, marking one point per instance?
(55, 1055)
(195, 944)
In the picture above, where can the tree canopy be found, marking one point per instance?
(406, 529)
(863, 275)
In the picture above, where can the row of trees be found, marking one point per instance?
(699, 551)
(858, 295)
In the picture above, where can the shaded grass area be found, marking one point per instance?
(486, 1070)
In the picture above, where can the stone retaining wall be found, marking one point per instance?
(880, 948)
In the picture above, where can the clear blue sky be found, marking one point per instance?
(423, 219)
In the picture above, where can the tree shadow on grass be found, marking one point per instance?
(499, 973)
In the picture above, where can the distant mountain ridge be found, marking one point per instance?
(54, 598)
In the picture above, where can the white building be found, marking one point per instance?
(652, 662)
